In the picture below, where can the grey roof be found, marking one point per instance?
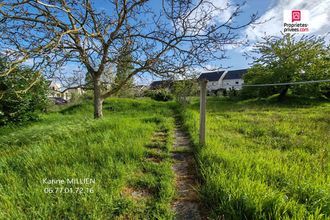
(161, 84)
(212, 76)
(235, 74)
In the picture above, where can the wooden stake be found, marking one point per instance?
(202, 110)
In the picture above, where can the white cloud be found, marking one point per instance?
(219, 10)
(319, 18)
(226, 10)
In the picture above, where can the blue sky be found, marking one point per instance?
(236, 60)
(267, 9)
(319, 22)
(271, 10)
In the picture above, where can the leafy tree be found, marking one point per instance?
(288, 59)
(23, 93)
(183, 89)
(124, 69)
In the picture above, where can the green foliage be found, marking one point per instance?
(124, 69)
(24, 93)
(288, 59)
(159, 95)
(264, 159)
(71, 144)
(233, 93)
(183, 89)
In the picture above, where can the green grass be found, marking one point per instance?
(70, 144)
(264, 160)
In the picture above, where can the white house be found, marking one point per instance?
(224, 80)
(69, 93)
(233, 79)
(55, 91)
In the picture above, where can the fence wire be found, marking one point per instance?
(287, 83)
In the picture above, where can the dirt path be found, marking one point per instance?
(186, 203)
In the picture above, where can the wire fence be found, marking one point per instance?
(286, 83)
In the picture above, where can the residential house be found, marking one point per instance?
(139, 90)
(233, 79)
(162, 84)
(224, 80)
(69, 93)
(55, 91)
(214, 80)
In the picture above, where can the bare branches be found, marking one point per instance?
(166, 41)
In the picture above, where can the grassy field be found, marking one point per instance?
(263, 160)
(70, 144)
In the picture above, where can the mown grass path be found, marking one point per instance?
(186, 202)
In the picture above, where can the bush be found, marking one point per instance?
(160, 95)
(183, 89)
(232, 93)
(19, 103)
(286, 60)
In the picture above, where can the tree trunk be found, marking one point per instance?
(283, 93)
(98, 101)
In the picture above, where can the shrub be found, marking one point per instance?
(286, 60)
(183, 89)
(160, 95)
(20, 101)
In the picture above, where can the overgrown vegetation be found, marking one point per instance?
(70, 144)
(264, 160)
(183, 90)
(22, 94)
(159, 95)
(288, 59)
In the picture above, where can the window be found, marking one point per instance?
(236, 82)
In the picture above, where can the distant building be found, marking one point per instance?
(217, 81)
(162, 84)
(139, 89)
(68, 93)
(224, 80)
(214, 80)
(55, 91)
(233, 79)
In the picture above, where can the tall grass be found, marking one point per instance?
(264, 160)
(70, 144)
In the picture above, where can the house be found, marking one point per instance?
(55, 91)
(139, 89)
(162, 84)
(224, 80)
(214, 80)
(233, 79)
(70, 92)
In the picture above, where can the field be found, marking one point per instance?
(264, 160)
(70, 144)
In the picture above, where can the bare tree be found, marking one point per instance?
(181, 34)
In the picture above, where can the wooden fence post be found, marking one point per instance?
(202, 111)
